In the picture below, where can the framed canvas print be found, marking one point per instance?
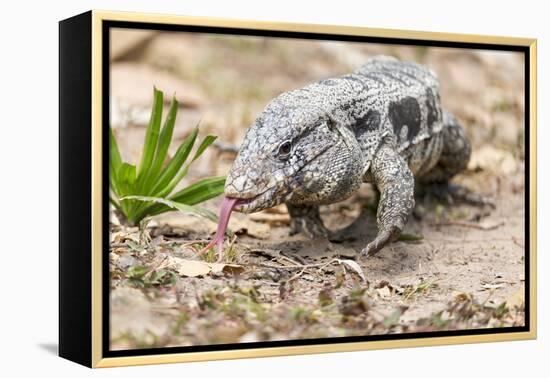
(235, 189)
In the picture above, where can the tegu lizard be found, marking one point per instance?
(382, 124)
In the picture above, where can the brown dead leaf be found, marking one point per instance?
(130, 233)
(190, 268)
(231, 269)
(194, 268)
(355, 267)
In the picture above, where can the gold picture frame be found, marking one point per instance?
(83, 275)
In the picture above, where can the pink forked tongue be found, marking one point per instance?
(227, 206)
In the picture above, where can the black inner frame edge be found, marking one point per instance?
(107, 25)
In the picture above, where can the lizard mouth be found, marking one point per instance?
(252, 204)
(228, 205)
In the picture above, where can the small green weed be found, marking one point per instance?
(146, 189)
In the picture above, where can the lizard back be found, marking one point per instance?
(384, 97)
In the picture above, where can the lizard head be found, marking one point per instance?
(296, 153)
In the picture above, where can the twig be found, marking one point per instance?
(276, 255)
(289, 259)
(296, 275)
(327, 264)
(295, 266)
(485, 227)
(187, 242)
(118, 245)
(154, 267)
(272, 253)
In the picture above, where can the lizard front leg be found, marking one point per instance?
(395, 182)
(306, 219)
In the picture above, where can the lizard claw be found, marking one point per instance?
(452, 194)
(311, 228)
(383, 238)
(372, 248)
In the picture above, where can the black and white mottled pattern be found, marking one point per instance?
(381, 124)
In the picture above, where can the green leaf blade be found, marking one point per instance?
(162, 147)
(151, 136)
(193, 210)
(172, 169)
(200, 191)
(115, 161)
(206, 142)
(127, 178)
(194, 194)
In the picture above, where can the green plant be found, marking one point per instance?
(146, 190)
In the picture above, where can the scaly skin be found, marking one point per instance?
(382, 124)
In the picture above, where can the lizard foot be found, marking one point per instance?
(310, 227)
(307, 220)
(452, 194)
(382, 239)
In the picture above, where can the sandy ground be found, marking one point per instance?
(456, 266)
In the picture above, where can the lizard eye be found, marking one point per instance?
(284, 149)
